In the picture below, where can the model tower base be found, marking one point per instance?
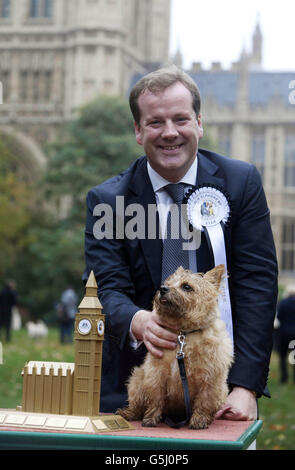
(48, 422)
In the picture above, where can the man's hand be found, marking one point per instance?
(154, 332)
(240, 406)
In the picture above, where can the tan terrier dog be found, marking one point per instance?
(155, 389)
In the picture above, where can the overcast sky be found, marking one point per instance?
(216, 30)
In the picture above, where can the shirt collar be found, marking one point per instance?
(158, 182)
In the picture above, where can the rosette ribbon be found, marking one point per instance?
(209, 210)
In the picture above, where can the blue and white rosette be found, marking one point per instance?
(209, 210)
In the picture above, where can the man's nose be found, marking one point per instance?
(164, 290)
(169, 131)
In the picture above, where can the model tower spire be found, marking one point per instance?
(88, 336)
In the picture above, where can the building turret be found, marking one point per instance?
(257, 40)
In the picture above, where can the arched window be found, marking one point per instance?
(258, 150)
(288, 244)
(289, 160)
(34, 9)
(47, 8)
(5, 8)
(41, 8)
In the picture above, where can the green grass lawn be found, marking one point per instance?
(22, 349)
(277, 413)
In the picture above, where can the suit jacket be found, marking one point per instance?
(128, 271)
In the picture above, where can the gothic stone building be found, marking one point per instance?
(56, 55)
(250, 114)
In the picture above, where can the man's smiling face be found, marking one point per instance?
(169, 130)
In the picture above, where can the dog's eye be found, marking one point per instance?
(187, 287)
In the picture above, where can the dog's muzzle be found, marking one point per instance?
(164, 290)
(162, 297)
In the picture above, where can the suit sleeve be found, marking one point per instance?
(107, 259)
(253, 281)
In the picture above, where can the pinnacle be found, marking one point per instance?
(91, 281)
(91, 293)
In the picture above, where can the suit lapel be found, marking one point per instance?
(207, 171)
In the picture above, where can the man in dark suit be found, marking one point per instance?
(166, 110)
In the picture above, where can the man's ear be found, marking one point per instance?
(200, 126)
(138, 133)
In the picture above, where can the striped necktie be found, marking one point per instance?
(173, 253)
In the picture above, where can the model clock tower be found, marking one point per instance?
(66, 396)
(89, 335)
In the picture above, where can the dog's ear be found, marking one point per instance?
(180, 270)
(215, 275)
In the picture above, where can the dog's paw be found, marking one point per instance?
(125, 413)
(150, 422)
(198, 426)
(199, 422)
(120, 411)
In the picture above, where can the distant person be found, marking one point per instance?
(286, 331)
(8, 299)
(66, 311)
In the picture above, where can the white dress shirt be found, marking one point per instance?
(164, 201)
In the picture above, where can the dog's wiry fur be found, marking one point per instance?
(154, 388)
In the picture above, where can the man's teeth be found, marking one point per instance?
(174, 147)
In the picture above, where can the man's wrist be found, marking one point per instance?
(254, 393)
(136, 326)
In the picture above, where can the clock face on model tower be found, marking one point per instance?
(100, 327)
(84, 326)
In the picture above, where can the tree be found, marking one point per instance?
(15, 206)
(96, 145)
(42, 222)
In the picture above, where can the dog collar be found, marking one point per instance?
(187, 332)
(182, 343)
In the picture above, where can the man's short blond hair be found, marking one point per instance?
(158, 81)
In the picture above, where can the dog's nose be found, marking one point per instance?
(164, 290)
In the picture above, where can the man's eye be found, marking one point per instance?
(187, 287)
